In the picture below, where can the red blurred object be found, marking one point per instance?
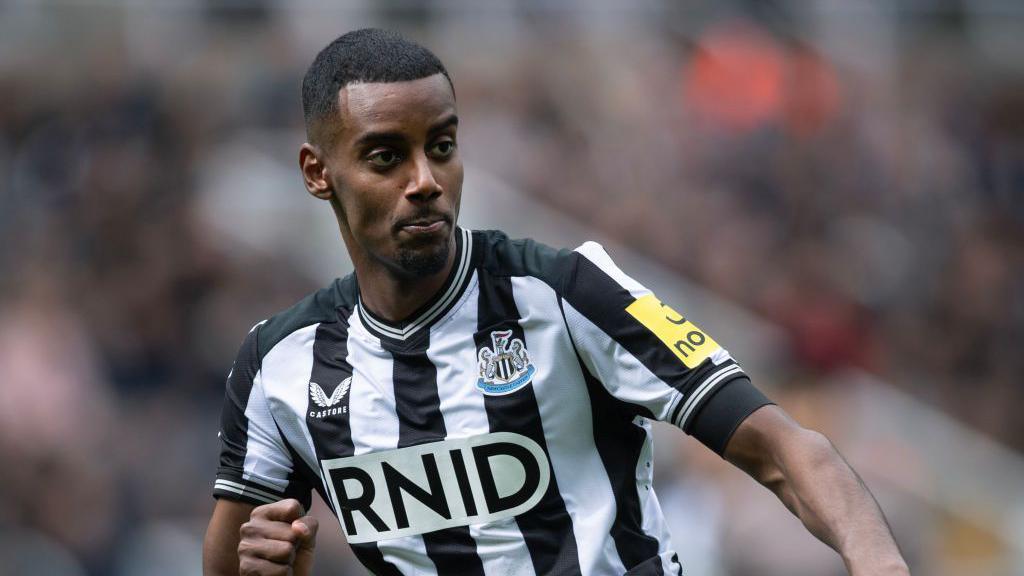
(742, 79)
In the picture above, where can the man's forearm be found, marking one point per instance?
(817, 485)
(220, 546)
(810, 477)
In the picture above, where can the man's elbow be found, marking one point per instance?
(814, 445)
(770, 446)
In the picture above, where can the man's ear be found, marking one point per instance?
(314, 172)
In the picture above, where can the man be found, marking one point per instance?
(469, 404)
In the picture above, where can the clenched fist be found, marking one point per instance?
(278, 540)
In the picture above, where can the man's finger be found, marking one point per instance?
(305, 528)
(283, 511)
(261, 528)
(251, 566)
(277, 551)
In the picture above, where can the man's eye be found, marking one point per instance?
(383, 158)
(443, 148)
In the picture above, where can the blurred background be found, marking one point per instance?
(834, 189)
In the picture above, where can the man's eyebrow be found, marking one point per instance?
(384, 136)
(450, 120)
(396, 136)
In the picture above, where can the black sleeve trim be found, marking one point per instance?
(719, 416)
(231, 486)
(234, 487)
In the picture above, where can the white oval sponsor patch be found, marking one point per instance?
(433, 486)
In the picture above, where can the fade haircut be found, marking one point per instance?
(367, 55)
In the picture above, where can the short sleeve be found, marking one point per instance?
(256, 464)
(651, 357)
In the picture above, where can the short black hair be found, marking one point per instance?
(366, 55)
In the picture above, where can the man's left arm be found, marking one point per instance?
(812, 479)
(658, 364)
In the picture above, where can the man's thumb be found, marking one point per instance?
(305, 528)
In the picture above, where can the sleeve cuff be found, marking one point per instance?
(720, 414)
(234, 487)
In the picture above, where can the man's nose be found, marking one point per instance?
(422, 184)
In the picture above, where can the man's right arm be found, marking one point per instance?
(220, 547)
(258, 492)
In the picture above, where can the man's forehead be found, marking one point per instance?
(366, 104)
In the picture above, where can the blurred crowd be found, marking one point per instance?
(879, 220)
(860, 190)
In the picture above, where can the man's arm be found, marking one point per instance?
(805, 471)
(220, 547)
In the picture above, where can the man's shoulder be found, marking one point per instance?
(320, 306)
(504, 256)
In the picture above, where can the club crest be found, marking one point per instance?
(505, 367)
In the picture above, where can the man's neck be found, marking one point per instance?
(394, 297)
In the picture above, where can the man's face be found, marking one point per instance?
(396, 173)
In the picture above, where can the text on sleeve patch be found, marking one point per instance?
(688, 342)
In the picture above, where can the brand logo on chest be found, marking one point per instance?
(505, 367)
(331, 404)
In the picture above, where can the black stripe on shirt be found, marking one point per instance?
(547, 527)
(333, 431)
(649, 567)
(234, 425)
(234, 434)
(418, 406)
(330, 370)
(620, 443)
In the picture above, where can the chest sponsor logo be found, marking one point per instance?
(430, 487)
(682, 337)
(330, 404)
(504, 367)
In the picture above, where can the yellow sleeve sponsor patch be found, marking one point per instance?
(691, 345)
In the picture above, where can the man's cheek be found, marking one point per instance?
(370, 213)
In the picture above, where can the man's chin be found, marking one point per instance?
(424, 261)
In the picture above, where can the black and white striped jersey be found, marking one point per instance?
(504, 429)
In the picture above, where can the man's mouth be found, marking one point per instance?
(423, 225)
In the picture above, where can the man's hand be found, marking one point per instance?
(278, 540)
